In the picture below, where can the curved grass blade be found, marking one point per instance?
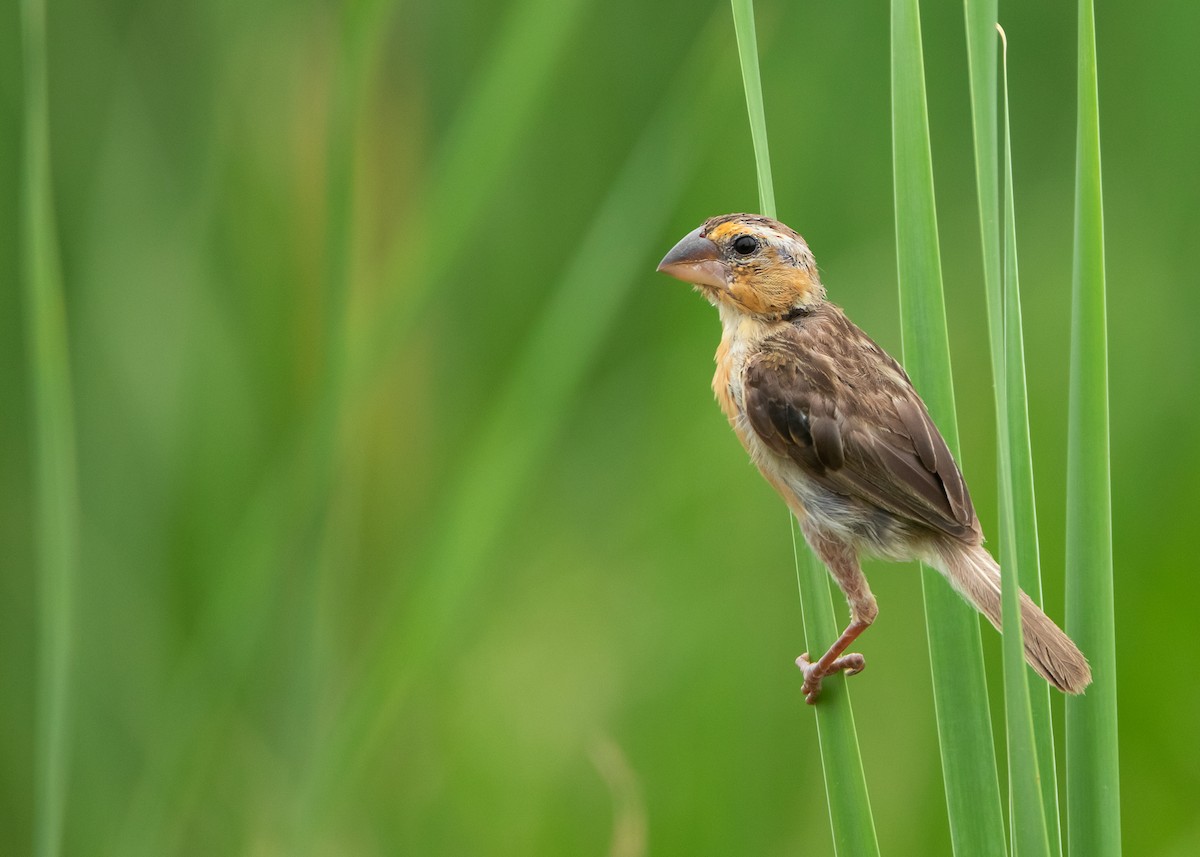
(1093, 773)
(56, 511)
(960, 692)
(850, 816)
(1018, 546)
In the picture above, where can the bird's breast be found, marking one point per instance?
(729, 389)
(727, 380)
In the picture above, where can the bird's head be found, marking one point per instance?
(748, 265)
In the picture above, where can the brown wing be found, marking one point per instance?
(856, 426)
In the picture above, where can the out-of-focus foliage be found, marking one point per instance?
(287, 426)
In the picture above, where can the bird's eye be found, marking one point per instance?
(744, 245)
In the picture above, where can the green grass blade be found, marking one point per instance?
(54, 469)
(1015, 454)
(960, 692)
(747, 43)
(981, 61)
(850, 816)
(1093, 779)
(1018, 542)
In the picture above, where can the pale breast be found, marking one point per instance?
(869, 529)
(729, 388)
(727, 380)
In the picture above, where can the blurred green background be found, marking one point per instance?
(408, 523)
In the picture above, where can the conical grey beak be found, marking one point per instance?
(697, 260)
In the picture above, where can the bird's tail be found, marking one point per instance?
(976, 576)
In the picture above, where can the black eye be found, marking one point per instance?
(744, 245)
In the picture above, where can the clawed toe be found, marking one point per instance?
(852, 664)
(812, 679)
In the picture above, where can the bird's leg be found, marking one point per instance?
(832, 661)
(843, 565)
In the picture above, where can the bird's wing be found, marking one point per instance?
(866, 435)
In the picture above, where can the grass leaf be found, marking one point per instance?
(981, 61)
(1015, 454)
(1018, 542)
(1093, 779)
(960, 692)
(850, 814)
(747, 42)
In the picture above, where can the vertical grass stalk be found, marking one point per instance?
(56, 510)
(960, 692)
(850, 816)
(1015, 453)
(1018, 543)
(981, 66)
(1093, 777)
(747, 43)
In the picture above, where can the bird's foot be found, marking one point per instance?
(852, 664)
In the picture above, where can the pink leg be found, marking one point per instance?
(842, 562)
(832, 662)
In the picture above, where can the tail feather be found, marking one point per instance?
(976, 576)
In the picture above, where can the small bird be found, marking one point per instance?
(834, 424)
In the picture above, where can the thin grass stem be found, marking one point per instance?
(1015, 454)
(850, 816)
(747, 43)
(1018, 542)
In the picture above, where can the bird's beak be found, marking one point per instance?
(697, 260)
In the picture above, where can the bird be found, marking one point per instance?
(835, 426)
